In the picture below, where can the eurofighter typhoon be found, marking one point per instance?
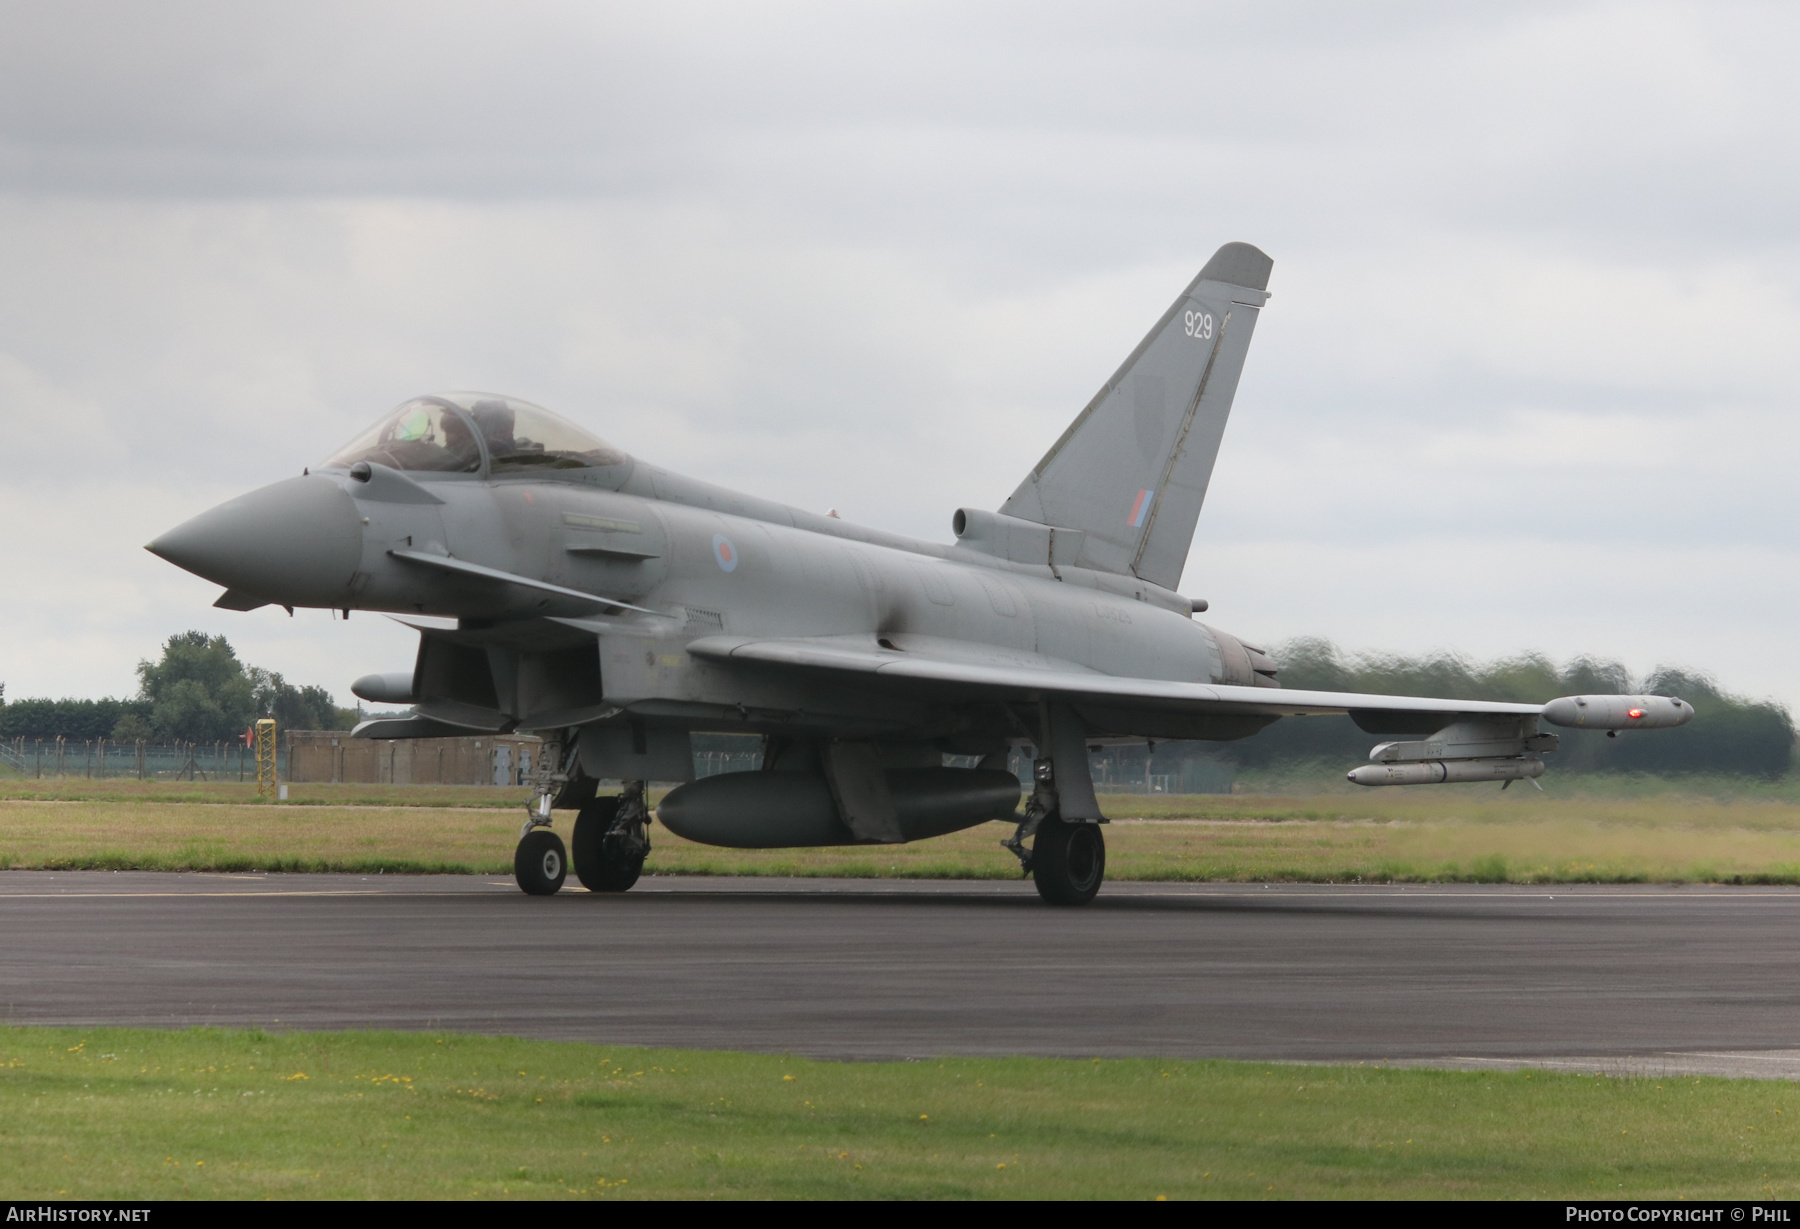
(615, 608)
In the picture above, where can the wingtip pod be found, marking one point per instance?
(1619, 712)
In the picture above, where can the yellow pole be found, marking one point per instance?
(265, 757)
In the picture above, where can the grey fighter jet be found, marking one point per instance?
(615, 608)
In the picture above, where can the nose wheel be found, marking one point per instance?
(540, 863)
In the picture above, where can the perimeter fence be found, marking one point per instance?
(226, 760)
(1115, 770)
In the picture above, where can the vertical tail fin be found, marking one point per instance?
(1132, 469)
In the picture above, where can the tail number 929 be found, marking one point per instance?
(1198, 324)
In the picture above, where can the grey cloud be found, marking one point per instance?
(1502, 116)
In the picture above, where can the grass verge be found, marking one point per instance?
(243, 793)
(1469, 836)
(124, 1114)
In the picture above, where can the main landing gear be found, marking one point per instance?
(611, 840)
(1067, 859)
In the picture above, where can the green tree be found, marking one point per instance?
(132, 728)
(74, 719)
(199, 690)
(297, 708)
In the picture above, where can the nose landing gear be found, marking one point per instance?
(541, 863)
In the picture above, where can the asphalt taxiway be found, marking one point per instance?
(1668, 979)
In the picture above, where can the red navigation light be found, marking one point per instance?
(1635, 713)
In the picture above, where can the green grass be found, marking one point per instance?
(243, 793)
(139, 1114)
(1474, 834)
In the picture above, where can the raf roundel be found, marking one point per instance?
(725, 553)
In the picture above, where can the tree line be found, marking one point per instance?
(198, 691)
(1729, 734)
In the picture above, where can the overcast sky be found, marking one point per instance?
(1526, 382)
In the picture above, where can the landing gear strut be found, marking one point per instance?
(540, 863)
(1067, 861)
(612, 838)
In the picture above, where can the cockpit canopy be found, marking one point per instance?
(453, 433)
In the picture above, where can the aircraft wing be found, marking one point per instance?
(1072, 683)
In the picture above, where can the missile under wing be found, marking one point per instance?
(562, 586)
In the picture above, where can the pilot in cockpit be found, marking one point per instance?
(458, 442)
(495, 418)
(431, 434)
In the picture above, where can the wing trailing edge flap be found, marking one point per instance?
(850, 655)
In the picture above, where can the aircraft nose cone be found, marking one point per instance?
(297, 542)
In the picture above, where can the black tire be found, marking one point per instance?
(601, 864)
(1068, 861)
(540, 863)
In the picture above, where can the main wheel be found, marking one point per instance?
(540, 862)
(603, 863)
(1068, 861)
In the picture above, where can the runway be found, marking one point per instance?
(1649, 978)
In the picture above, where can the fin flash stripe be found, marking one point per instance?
(1141, 507)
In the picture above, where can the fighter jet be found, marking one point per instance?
(561, 586)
